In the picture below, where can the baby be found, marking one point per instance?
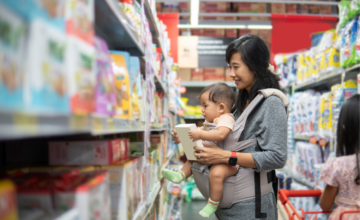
(216, 100)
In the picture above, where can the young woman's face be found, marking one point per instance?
(240, 73)
(210, 110)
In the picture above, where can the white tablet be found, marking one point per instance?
(188, 145)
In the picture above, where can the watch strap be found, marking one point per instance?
(233, 154)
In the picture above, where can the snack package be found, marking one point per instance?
(105, 102)
(325, 124)
(121, 190)
(12, 69)
(332, 59)
(135, 86)
(46, 81)
(79, 15)
(95, 152)
(347, 51)
(357, 45)
(8, 209)
(82, 75)
(122, 84)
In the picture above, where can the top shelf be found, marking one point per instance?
(112, 26)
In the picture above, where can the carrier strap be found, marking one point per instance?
(258, 213)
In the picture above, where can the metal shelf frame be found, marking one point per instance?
(200, 84)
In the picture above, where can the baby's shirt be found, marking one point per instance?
(226, 120)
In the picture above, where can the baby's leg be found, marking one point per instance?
(218, 173)
(178, 177)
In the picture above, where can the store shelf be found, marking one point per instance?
(160, 87)
(193, 117)
(159, 128)
(201, 84)
(304, 182)
(105, 125)
(151, 19)
(273, 1)
(301, 137)
(112, 26)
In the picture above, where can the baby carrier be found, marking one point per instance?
(247, 183)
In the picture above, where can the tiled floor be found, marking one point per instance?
(190, 210)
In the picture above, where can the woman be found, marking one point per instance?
(248, 59)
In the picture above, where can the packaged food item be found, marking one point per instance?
(197, 74)
(105, 102)
(8, 209)
(357, 45)
(46, 82)
(347, 43)
(122, 84)
(121, 190)
(135, 86)
(12, 51)
(325, 124)
(80, 19)
(214, 74)
(96, 152)
(278, 8)
(82, 74)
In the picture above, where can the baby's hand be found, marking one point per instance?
(194, 135)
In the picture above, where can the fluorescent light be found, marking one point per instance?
(194, 12)
(211, 26)
(259, 26)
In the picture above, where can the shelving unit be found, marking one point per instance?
(111, 25)
(193, 117)
(200, 84)
(150, 16)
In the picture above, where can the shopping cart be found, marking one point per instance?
(285, 194)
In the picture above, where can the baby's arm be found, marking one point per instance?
(217, 134)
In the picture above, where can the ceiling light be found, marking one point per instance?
(211, 26)
(259, 26)
(194, 12)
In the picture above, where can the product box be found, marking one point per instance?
(184, 8)
(278, 8)
(314, 9)
(137, 180)
(291, 9)
(80, 17)
(197, 32)
(82, 75)
(26, 152)
(46, 81)
(95, 152)
(302, 9)
(88, 193)
(214, 32)
(122, 83)
(135, 86)
(137, 148)
(197, 74)
(105, 88)
(154, 169)
(214, 74)
(12, 69)
(231, 32)
(325, 9)
(184, 74)
(8, 209)
(121, 190)
(159, 7)
(243, 32)
(252, 8)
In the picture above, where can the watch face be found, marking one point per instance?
(233, 161)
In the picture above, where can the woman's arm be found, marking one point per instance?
(328, 197)
(211, 154)
(217, 134)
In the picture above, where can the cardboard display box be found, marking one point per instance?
(184, 74)
(197, 74)
(214, 74)
(278, 8)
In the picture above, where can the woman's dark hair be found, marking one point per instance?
(255, 55)
(348, 131)
(220, 93)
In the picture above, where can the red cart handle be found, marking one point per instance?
(285, 194)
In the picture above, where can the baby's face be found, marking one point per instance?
(210, 110)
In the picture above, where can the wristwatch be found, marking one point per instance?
(233, 159)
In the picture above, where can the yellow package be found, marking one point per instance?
(313, 68)
(302, 59)
(320, 61)
(332, 58)
(122, 86)
(8, 207)
(300, 74)
(349, 84)
(325, 113)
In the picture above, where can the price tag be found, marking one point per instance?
(175, 190)
(323, 142)
(27, 122)
(78, 122)
(313, 139)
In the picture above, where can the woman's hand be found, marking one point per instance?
(175, 137)
(211, 154)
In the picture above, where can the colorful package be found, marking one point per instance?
(332, 59)
(347, 51)
(8, 209)
(96, 152)
(82, 74)
(105, 102)
(121, 190)
(122, 84)
(135, 86)
(357, 45)
(326, 113)
(79, 15)
(12, 51)
(46, 87)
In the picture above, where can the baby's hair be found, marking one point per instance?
(348, 131)
(220, 93)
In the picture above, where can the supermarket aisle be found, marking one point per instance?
(190, 210)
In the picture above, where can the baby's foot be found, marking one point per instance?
(209, 209)
(175, 177)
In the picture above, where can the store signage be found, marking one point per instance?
(323, 142)
(175, 190)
